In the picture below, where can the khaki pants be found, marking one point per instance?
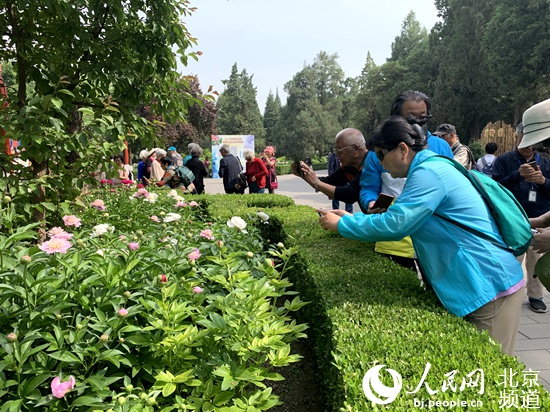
(501, 319)
(535, 289)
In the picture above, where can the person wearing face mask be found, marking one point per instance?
(526, 174)
(472, 276)
(414, 106)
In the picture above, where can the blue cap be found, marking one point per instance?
(172, 148)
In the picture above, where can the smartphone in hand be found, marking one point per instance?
(383, 202)
(299, 168)
(534, 165)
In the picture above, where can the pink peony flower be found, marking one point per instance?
(194, 255)
(71, 220)
(207, 233)
(163, 278)
(193, 203)
(122, 312)
(55, 245)
(106, 181)
(142, 192)
(59, 389)
(59, 233)
(122, 237)
(155, 219)
(133, 246)
(98, 204)
(140, 186)
(127, 182)
(198, 289)
(181, 204)
(113, 190)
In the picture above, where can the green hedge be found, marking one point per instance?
(284, 168)
(368, 311)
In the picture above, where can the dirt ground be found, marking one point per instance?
(300, 391)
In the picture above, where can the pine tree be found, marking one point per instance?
(239, 113)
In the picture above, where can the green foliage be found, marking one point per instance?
(146, 313)
(239, 113)
(272, 114)
(92, 67)
(376, 313)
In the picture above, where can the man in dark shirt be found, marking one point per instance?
(526, 174)
(230, 168)
(342, 184)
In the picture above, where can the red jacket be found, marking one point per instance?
(256, 167)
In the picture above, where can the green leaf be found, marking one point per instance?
(29, 385)
(64, 356)
(168, 389)
(223, 397)
(87, 401)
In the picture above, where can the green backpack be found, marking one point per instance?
(185, 175)
(512, 221)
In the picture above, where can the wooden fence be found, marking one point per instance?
(501, 133)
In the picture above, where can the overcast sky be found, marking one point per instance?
(272, 39)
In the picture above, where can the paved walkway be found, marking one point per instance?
(533, 341)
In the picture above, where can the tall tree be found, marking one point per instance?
(238, 108)
(518, 49)
(412, 33)
(465, 91)
(272, 114)
(93, 64)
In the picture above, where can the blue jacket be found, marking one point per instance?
(465, 271)
(374, 173)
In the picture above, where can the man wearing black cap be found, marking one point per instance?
(462, 154)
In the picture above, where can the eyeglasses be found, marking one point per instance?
(382, 153)
(338, 151)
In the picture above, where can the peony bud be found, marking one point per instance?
(80, 243)
(198, 289)
(280, 245)
(269, 262)
(220, 243)
(122, 312)
(143, 396)
(7, 199)
(79, 326)
(104, 338)
(25, 259)
(129, 388)
(11, 337)
(249, 254)
(151, 401)
(121, 401)
(127, 294)
(163, 279)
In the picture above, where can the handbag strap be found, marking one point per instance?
(473, 231)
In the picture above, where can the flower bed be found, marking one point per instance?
(141, 300)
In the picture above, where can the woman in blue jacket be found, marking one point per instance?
(471, 276)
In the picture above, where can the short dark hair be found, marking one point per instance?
(397, 130)
(409, 95)
(166, 160)
(491, 148)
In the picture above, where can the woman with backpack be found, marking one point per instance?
(472, 276)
